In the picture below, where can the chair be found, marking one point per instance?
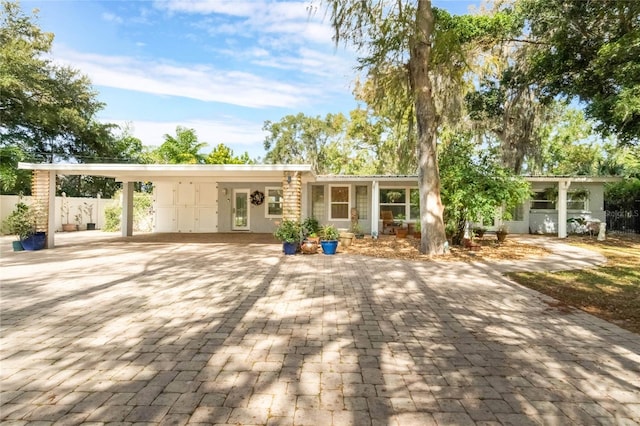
(388, 224)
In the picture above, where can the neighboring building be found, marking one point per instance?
(253, 198)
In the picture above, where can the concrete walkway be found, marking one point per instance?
(124, 332)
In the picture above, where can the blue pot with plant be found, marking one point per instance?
(329, 239)
(290, 233)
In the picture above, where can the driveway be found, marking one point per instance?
(201, 332)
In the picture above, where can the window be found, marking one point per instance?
(517, 213)
(394, 200)
(339, 201)
(404, 203)
(274, 202)
(317, 202)
(362, 202)
(414, 207)
(577, 200)
(542, 200)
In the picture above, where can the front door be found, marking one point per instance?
(240, 210)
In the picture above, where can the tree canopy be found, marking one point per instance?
(589, 50)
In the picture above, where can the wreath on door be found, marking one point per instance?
(257, 198)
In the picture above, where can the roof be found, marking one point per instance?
(242, 172)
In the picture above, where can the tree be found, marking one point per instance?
(589, 50)
(222, 154)
(475, 184)
(299, 139)
(409, 47)
(184, 148)
(47, 110)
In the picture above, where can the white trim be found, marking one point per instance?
(266, 201)
(348, 203)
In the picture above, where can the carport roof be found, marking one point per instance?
(143, 172)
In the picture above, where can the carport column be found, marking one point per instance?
(563, 186)
(291, 194)
(43, 192)
(375, 207)
(127, 209)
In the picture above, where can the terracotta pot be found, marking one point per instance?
(402, 232)
(69, 227)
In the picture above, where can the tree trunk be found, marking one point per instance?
(431, 209)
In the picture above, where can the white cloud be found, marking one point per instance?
(241, 135)
(110, 17)
(202, 82)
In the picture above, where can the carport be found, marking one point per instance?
(203, 181)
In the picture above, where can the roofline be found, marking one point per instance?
(129, 167)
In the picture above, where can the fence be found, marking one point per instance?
(67, 210)
(623, 218)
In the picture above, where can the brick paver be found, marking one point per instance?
(207, 333)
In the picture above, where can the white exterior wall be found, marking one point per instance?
(8, 203)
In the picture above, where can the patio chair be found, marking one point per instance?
(388, 224)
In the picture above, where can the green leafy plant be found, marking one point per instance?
(289, 231)
(329, 233)
(310, 226)
(22, 222)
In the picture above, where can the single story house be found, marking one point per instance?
(254, 198)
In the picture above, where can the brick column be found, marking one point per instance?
(292, 194)
(40, 196)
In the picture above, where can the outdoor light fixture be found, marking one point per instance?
(289, 179)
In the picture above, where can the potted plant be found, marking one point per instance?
(289, 232)
(479, 231)
(65, 209)
(401, 232)
(356, 229)
(501, 233)
(88, 210)
(22, 222)
(329, 239)
(417, 229)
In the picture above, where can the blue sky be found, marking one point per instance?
(221, 67)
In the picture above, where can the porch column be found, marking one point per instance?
(291, 193)
(126, 224)
(375, 207)
(43, 192)
(563, 187)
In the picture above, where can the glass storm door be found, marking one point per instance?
(240, 210)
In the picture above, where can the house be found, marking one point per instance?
(254, 198)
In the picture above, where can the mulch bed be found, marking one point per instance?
(390, 247)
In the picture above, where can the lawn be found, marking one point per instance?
(611, 292)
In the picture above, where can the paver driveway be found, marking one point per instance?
(153, 332)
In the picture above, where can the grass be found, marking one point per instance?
(611, 292)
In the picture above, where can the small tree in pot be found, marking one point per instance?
(23, 222)
(290, 233)
(329, 239)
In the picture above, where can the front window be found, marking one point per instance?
(274, 202)
(517, 213)
(414, 207)
(339, 200)
(395, 201)
(577, 201)
(543, 200)
(317, 201)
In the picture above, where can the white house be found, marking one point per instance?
(253, 198)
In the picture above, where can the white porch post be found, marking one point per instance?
(563, 186)
(375, 207)
(126, 224)
(51, 223)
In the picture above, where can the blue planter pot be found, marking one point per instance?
(289, 248)
(35, 242)
(329, 247)
(17, 246)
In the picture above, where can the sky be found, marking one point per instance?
(220, 67)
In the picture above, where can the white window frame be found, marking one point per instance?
(407, 201)
(585, 202)
(534, 200)
(266, 202)
(331, 203)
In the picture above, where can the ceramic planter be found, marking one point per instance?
(17, 246)
(289, 248)
(329, 247)
(35, 242)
